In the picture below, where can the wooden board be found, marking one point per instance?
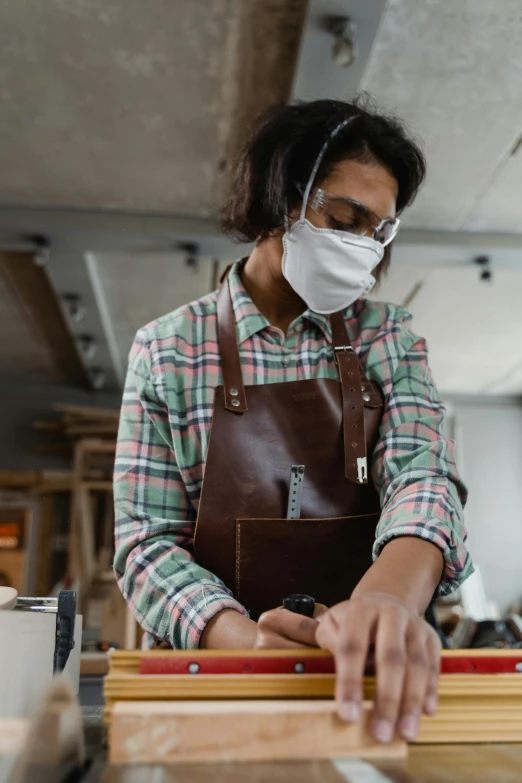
(472, 707)
(167, 732)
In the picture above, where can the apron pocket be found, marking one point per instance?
(324, 558)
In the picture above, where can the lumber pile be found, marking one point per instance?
(473, 707)
(72, 422)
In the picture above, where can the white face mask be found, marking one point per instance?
(329, 269)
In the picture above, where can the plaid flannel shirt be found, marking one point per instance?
(174, 367)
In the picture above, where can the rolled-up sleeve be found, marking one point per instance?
(414, 468)
(170, 595)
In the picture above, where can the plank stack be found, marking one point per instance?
(181, 706)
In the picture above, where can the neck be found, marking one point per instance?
(265, 284)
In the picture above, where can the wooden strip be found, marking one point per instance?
(87, 412)
(481, 721)
(167, 732)
(94, 664)
(277, 686)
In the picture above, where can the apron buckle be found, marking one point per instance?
(341, 349)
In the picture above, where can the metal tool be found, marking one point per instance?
(65, 619)
(64, 607)
(300, 604)
(295, 491)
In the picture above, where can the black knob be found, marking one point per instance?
(300, 604)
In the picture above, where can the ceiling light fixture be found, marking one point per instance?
(74, 307)
(191, 250)
(344, 33)
(88, 346)
(98, 378)
(485, 273)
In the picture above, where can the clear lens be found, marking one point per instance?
(342, 214)
(386, 231)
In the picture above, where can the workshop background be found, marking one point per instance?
(118, 123)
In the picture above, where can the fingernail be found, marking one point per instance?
(350, 711)
(409, 727)
(382, 730)
(431, 705)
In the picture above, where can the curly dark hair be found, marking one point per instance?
(283, 146)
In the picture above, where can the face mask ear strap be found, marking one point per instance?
(317, 163)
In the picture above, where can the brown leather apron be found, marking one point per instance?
(258, 432)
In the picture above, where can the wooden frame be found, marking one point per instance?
(472, 707)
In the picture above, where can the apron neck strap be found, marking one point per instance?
(356, 465)
(353, 383)
(235, 397)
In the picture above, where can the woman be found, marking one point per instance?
(310, 389)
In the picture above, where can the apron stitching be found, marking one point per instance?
(238, 557)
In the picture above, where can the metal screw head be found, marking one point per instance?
(299, 668)
(518, 667)
(193, 668)
(236, 403)
(234, 392)
(366, 397)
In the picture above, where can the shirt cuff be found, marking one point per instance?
(194, 609)
(457, 561)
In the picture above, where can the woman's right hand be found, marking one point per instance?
(280, 629)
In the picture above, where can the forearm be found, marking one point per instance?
(408, 568)
(229, 630)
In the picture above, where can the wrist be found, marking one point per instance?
(228, 629)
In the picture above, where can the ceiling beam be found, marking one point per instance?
(31, 288)
(119, 231)
(317, 75)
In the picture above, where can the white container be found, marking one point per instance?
(27, 642)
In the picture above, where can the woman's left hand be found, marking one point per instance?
(407, 661)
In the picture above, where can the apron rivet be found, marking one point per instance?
(234, 392)
(366, 397)
(236, 403)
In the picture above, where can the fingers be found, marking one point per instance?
(390, 663)
(285, 629)
(272, 641)
(319, 610)
(434, 648)
(420, 688)
(348, 638)
(414, 685)
(407, 663)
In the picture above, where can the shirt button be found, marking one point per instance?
(285, 361)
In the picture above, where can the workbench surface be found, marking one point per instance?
(426, 764)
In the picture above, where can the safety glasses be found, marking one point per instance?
(345, 214)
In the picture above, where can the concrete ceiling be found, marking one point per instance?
(121, 105)
(473, 329)
(131, 105)
(121, 278)
(453, 70)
